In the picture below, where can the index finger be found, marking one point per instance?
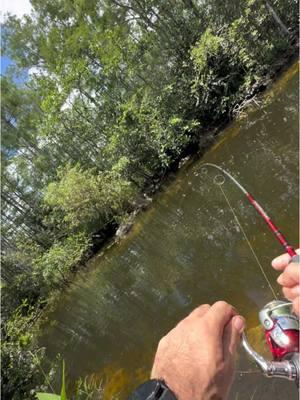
(291, 276)
(218, 317)
(281, 262)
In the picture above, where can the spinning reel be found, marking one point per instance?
(281, 328)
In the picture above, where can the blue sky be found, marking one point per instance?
(18, 8)
(5, 62)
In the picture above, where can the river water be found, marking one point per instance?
(187, 250)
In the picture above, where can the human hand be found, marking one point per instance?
(289, 279)
(196, 359)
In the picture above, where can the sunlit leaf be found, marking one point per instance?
(48, 396)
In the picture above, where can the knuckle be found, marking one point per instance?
(222, 304)
(199, 311)
(202, 308)
(218, 364)
(163, 342)
(288, 269)
(184, 323)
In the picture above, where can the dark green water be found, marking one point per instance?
(187, 250)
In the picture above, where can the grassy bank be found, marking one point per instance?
(118, 94)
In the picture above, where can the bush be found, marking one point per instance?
(53, 267)
(21, 368)
(88, 200)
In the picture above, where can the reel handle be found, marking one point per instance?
(288, 369)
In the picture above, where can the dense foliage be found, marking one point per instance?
(117, 91)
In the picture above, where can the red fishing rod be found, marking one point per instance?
(280, 237)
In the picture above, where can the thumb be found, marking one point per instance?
(232, 336)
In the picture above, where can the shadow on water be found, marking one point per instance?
(187, 250)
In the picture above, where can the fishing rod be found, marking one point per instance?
(280, 237)
(280, 324)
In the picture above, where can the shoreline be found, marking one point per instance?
(117, 233)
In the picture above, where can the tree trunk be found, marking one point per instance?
(277, 18)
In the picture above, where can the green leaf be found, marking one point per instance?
(48, 396)
(63, 394)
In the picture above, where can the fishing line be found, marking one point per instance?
(219, 182)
